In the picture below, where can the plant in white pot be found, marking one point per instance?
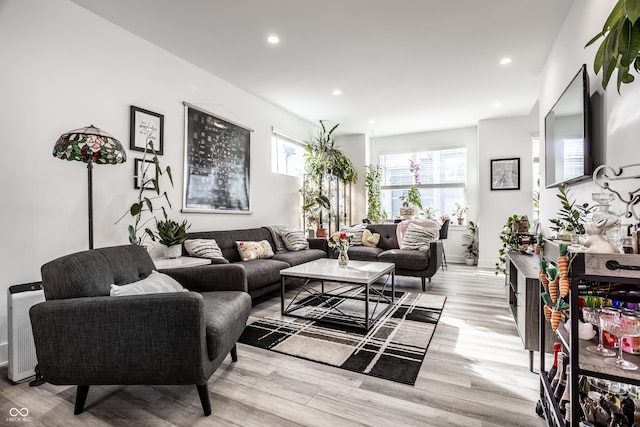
(471, 244)
(459, 212)
(172, 235)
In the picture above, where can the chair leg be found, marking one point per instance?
(81, 398)
(424, 285)
(234, 353)
(203, 392)
(444, 260)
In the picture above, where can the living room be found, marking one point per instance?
(66, 67)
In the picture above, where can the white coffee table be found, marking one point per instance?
(183, 261)
(356, 277)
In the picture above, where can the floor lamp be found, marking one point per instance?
(90, 145)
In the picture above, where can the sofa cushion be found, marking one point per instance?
(388, 235)
(418, 238)
(203, 248)
(154, 283)
(370, 239)
(294, 240)
(364, 253)
(403, 226)
(227, 239)
(406, 259)
(277, 238)
(224, 318)
(263, 272)
(300, 257)
(357, 231)
(254, 250)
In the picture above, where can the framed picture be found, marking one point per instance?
(146, 126)
(505, 174)
(217, 163)
(145, 170)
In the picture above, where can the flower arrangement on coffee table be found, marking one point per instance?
(341, 241)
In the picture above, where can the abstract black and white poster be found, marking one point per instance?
(217, 164)
(505, 174)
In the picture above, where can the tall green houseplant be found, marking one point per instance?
(372, 183)
(322, 158)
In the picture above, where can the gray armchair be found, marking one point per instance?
(83, 336)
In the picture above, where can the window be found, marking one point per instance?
(442, 177)
(286, 154)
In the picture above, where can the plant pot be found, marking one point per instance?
(174, 251)
(407, 212)
(460, 221)
(321, 232)
(470, 261)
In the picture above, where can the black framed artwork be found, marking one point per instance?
(146, 126)
(505, 174)
(217, 164)
(144, 172)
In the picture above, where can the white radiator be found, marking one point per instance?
(22, 350)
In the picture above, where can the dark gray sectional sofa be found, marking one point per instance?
(263, 275)
(423, 264)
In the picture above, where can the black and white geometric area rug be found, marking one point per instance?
(393, 349)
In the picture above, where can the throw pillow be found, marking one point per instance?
(370, 239)
(357, 231)
(254, 250)
(294, 240)
(418, 238)
(203, 248)
(277, 238)
(154, 283)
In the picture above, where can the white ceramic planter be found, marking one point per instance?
(174, 251)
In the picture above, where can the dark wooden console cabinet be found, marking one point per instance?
(522, 288)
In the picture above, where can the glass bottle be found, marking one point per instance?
(554, 368)
(561, 376)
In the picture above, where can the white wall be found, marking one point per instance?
(502, 139)
(620, 120)
(463, 137)
(64, 68)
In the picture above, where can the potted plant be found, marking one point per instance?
(509, 242)
(372, 183)
(459, 212)
(471, 244)
(430, 212)
(410, 202)
(151, 173)
(172, 235)
(323, 158)
(571, 216)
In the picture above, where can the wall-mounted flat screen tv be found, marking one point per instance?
(567, 144)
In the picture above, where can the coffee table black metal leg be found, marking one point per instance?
(393, 286)
(366, 306)
(282, 294)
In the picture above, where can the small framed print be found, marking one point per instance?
(146, 126)
(505, 174)
(145, 171)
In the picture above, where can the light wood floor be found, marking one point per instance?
(475, 374)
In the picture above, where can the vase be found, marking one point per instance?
(343, 257)
(174, 251)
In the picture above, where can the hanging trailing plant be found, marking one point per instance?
(372, 183)
(620, 48)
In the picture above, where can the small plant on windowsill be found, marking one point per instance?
(410, 202)
(459, 212)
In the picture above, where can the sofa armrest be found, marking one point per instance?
(319, 243)
(208, 278)
(140, 339)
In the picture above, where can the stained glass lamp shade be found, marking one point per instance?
(90, 145)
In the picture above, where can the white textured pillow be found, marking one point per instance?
(418, 238)
(294, 240)
(203, 248)
(154, 283)
(357, 231)
(370, 239)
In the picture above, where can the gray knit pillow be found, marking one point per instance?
(294, 240)
(203, 248)
(418, 238)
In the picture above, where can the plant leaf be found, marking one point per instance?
(135, 209)
(632, 9)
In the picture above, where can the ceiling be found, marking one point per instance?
(409, 65)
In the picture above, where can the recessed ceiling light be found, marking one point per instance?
(371, 121)
(337, 92)
(273, 39)
(497, 105)
(505, 61)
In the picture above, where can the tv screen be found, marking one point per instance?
(566, 140)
